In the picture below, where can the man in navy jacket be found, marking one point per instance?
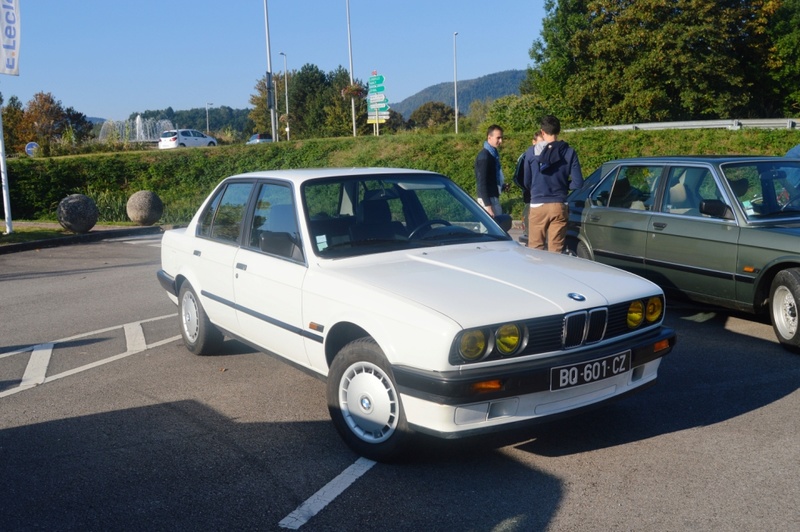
(550, 176)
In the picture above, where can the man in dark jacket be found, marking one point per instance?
(488, 174)
(550, 176)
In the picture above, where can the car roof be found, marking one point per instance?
(709, 159)
(304, 174)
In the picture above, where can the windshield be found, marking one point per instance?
(766, 190)
(370, 214)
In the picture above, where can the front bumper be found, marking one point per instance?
(448, 405)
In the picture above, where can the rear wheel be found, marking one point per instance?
(364, 403)
(783, 303)
(199, 334)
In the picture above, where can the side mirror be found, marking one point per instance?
(504, 221)
(716, 209)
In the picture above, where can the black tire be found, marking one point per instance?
(583, 251)
(200, 336)
(211, 144)
(182, 145)
(364, 403)
(784, 296)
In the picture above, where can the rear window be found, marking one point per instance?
(167, 134)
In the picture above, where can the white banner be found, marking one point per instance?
(9, 37)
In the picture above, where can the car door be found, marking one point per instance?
(269, 272)
(616, 216)
(218, 234)
(687, 250)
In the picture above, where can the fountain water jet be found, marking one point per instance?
(136, 130)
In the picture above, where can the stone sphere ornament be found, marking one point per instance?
(77, 213)
(145, 207)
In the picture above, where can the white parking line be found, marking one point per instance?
(36, 370)
(326, 494)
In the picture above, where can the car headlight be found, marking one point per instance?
(508, 338)
(472, 345)
(635, 314)
(655, 309)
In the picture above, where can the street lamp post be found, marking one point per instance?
(270, 89)
(350, 49)
(207, 128)
(286, 91)
(455, 77)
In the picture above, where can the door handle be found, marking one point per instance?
(197, 253)
(593, 218)
(240, 266)
(659, 225)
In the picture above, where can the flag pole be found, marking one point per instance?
(4, 172)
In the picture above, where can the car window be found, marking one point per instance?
(197, 134)
(223, 219)
(630, 187)
(765, 189)
(354, 216)
(274, 226)
(687, 187)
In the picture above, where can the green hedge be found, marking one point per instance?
(183, 177)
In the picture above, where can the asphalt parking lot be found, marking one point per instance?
(122, 428)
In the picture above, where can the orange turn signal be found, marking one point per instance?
(661, 345)
(487, 386)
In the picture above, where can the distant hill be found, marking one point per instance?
(491, 87)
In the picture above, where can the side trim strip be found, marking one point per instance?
(715, 274)
(264, 317)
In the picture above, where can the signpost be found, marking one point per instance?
(377, 102)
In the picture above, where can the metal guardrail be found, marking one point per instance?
(734, 124)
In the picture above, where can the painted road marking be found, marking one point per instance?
(36, 370)
(326, 494)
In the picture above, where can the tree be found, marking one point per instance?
(78, 124)
(620, 61)
(43, 121)
(260, 114)
(318, 103)
(784, 32)
(435, 116)
(12, 118)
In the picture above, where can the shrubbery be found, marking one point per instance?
(183, 178)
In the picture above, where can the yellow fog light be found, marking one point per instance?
(508, 338)
(472, 345)
(635, 314)
(655, 307)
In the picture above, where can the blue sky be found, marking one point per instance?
(111, 58)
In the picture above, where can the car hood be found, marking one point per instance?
(476, 284)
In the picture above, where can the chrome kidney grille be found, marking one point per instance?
(584, 327)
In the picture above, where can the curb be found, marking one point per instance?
(92, 236)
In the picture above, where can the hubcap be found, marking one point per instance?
(189, 314)
(784, 312)
(368, 402)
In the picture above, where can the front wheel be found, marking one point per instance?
(783, 300)
(583, 251)
(364, 403)
(199, 334)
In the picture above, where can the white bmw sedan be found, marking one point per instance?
(415, 306)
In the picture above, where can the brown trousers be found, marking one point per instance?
(548, 223)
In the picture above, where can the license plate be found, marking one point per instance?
(592, 371)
